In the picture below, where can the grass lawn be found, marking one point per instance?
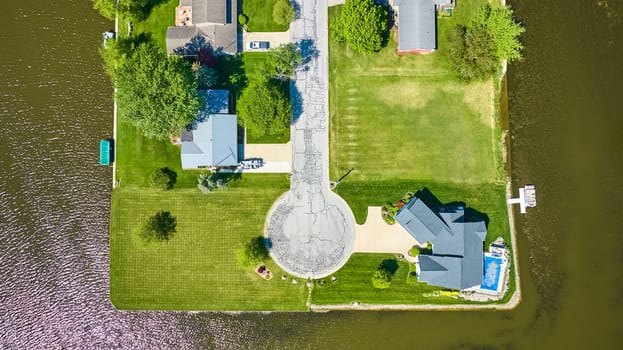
(354, 284)
(409, 117)
(260, 13)
(160, 17)
(196, 270)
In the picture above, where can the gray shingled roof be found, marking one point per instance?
(457, 260)
(212, 11)
(417, 24)
(222, 37)
(178, 37)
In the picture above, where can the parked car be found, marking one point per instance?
(259, 45)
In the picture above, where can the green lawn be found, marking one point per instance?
(409, 117)
(196, 270)
(354, 284)
(260, 13)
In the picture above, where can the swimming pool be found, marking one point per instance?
(491, 278)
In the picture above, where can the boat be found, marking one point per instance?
(105, 152)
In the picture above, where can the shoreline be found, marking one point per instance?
(515, 298)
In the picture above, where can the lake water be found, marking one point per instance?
(566, 116)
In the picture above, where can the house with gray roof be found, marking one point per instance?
(212, 140)
(458, 252)
(199, 23)
(417, 24)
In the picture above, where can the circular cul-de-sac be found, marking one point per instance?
(310, 235)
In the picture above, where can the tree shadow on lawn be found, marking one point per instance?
(389, 265)
(470, 214)
(172, 177)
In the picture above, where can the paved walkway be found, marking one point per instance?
(376, 236)
(274, 38)
(311, 231)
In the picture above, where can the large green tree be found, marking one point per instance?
(253, 252)
(283, 12)
(492, 35)
(263, 108)
(285, 58)
(362, 25)
(156, 92)
(499, 24)
(472, 53)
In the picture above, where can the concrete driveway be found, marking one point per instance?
(376, 236)
(274, 38)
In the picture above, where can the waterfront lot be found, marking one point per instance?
(406, 123)
(409, 117)
(197, 269)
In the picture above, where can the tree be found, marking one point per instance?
(491, 36)
(499, 24)
(362, 25)
(285, 59)
(162, 178)
(206, 76)
(381, 279)
(472, 53)
(264, 108)
(159, 227)
(253, 252)
(156, 92)
(283, 12)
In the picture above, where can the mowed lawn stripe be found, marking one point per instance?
(196, 269)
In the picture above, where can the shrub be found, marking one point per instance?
(381, 279)
(162, 178)
(210, 182)
(243, 19)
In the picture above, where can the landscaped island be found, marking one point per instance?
(400, 126)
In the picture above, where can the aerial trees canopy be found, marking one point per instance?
(492, 35)
(253, 252)
(283, 12)
(156, 92)
(285, 58)
(362, 25)
(263, 108)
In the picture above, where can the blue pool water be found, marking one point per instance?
(491, 277)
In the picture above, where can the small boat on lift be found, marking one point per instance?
(105, 152)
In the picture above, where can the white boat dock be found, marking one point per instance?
(527, 198)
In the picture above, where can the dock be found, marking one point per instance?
(527, 198)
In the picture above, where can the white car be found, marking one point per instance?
(258, 45)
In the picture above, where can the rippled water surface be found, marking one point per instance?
(567, 120)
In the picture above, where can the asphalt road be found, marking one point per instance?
(311, 230)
